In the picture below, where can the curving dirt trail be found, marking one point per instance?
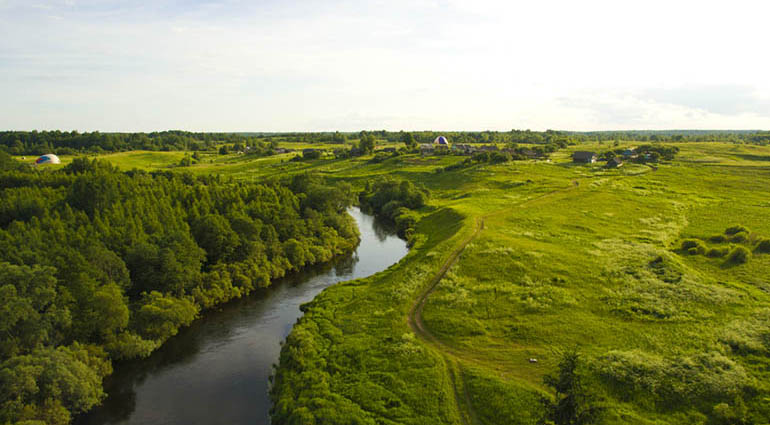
(452, 358)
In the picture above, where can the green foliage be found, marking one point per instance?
(739, 255)
(693, 246)
(733, 230)
(764, 246)
(717, 239)
(62, 142)
(379, 157)
(366, 142)
(409, 140)
(717, 252)
(214, 234)
(574, 403)
(311, 154)
(160, 316)
(30, 315)
(700, 380)
(49, 384)
(393, 199)
(120, 261)
(749, 336)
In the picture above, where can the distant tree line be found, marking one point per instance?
(63, 142)
(98, 265)
(734, 136)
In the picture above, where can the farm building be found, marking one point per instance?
(614, 163)
(426, 148)
(584, 157)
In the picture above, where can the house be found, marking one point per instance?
(463, 149)
(584, 157)
(356, 151)
(628, 153)
(489, 148)
(307, 151)
(389, 150)
(614, 163)
(426, 148)
(529, 153)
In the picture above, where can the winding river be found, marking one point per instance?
(216, 371)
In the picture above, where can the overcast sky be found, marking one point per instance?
(284, 65)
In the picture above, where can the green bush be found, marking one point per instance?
(717, 252)
(693, 246)
(718, 239)
(764, 246)
(736, 229)
(740, 237)
(739, 255)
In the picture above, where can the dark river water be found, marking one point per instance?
(216, 371)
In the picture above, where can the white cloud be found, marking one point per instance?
(343, 64)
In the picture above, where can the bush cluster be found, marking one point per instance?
(394, 200)
(736, 254)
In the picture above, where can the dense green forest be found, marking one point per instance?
(98, 265)
(63, 142)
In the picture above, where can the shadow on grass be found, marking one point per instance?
(749, 157)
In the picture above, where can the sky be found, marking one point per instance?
(347, 65)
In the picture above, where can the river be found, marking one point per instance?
(216, 370)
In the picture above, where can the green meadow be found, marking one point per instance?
(656, 274)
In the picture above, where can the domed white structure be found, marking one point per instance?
(46, 159)
(441, 140)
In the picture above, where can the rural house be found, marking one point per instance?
(426, 149)
(584, 157)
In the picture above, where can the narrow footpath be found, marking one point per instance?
(453, 359)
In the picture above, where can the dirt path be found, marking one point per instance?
(462, 398)
(452, 358)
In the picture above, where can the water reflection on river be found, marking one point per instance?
(216, 371)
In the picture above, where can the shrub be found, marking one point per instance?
(735, 229)
(740, 237)
(718, 239)
(739, 255)
(693, 246)
(764, 246)
(717, 252)
(379, 157)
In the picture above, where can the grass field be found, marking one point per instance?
(551, 256)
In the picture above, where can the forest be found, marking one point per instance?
(98, 265)
(72, 142)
